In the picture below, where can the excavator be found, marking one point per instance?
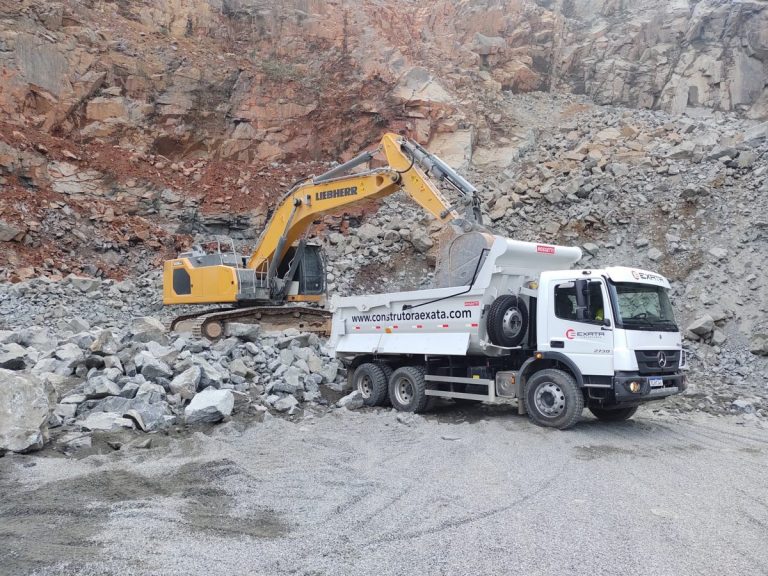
(282, 283)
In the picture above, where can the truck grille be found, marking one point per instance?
(657, 361)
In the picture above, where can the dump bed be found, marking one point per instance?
(449, 320)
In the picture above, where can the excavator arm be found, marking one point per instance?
(337, 190)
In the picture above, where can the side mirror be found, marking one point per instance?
(607, 322)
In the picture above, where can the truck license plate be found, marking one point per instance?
(656, 382)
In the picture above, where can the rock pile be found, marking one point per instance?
(101, 379)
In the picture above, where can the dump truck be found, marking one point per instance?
(510, 322)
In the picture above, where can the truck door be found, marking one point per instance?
(580, 324)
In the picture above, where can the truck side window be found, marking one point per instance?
(585, 307)
(565, 301)
(595, 309)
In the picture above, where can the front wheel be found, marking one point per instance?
(553, 399)
(613, 415)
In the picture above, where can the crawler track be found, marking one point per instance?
(212, 323)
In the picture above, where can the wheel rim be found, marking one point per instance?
(365, 386)
(512, 323)
(404, 391)
(549, 399)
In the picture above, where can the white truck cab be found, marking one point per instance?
(510, 324)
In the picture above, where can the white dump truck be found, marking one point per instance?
(510, 322)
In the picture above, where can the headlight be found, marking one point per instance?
(634, 386)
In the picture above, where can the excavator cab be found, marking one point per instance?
(308, 282)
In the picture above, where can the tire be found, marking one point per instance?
(407, 389)
(613, 415)
(552, 399)
(371, 380)
(388, 373)
(507, 321)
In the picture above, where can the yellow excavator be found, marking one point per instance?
(283, 267)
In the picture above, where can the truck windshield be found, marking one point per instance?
(643, 307)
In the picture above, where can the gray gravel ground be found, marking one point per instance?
(464, 491)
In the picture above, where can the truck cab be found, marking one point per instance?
(616, 330)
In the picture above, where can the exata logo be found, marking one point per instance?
(571, 334)
(472, 303)
(545, 249)
(637, 275)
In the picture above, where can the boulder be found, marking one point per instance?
(149, 417)
(39, 338)
(105, 344)
(148, 329)
(185, 384)
(285, 403)
(70, 353)
(758, 344)
(84, 284)
(12, 357)
(10, 232)
(100, 387)
(210, 405)
(152, 368)
(150, 393)
(244, 332)
(756, 133)
(351, 401)
(25, 405)
(104, 421)
(421, 241)
(702, 326)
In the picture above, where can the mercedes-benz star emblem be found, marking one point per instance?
(662, 359)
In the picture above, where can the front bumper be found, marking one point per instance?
(673, 384)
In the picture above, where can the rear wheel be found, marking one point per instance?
(371, 380)
(553, 399)
(388, 373)
(613, 415)
(408, 389)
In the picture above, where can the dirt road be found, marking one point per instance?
(478, 491)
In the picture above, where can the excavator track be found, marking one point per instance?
(212, 324)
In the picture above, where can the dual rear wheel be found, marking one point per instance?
(405, 388)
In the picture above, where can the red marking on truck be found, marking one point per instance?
(419, 326)
(378, 327)
(473, 325)
(472, 303)
(395, 326)
(541, 249)
(570, 333)
(442, 325)
(357, 327)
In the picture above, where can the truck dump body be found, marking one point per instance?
(446, 321)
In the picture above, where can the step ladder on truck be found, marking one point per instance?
(511, 323)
